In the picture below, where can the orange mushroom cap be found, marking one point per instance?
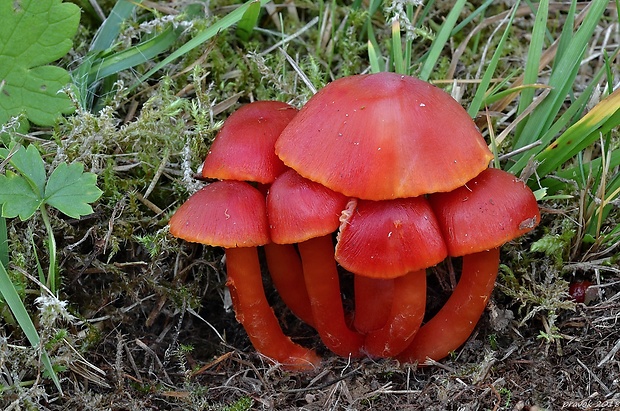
(243, 148)
(228, 214)
(299, 209)
(383, 136)
(490, 210)
(390, 238)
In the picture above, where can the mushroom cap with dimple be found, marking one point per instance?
(490, 210)
(389, 238)
(244, 147)
(383, 136)
(299, 209)
(225, 213)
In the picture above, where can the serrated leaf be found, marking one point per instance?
(17, 197)
(70, 189)
(34, 33)
(29, 163)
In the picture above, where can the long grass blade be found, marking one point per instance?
(562, 78)
(569, 116)
(15, 304)
(109, 30)
(248, 22)
(224, 23)
(133, 56)
(490, 70)
(4, 243)
(375, 65)
(530, 75)
(440, 40)
(397, 50)
(604, 117)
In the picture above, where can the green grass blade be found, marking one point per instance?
(222, 24)
(562, 78)
(563, 121)
(375, 65)
(604, 117)
(397, 49)
(471, 17)
(133, 56)
(4, 243)
(476, 103)
(109, 30)
(248, 22)
(576, 173)
(374, 6)
(500, 94)
(530, 76)
(10, 295)
(567, 31)
(440, 40)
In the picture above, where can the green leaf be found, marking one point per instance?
(17, 197)
(34, 33)
(600, 120)
(30, 165)
(70, 189)
(530, 76)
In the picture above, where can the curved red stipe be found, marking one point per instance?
(288, 278)
(254, 313)
(404, 319)
(323, 285)
(373, 302)
(455, 321)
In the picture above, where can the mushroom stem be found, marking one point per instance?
(373, 302)
(404, 319)
(288, 278)
(455, 321)
(254, 313)
(323, 285)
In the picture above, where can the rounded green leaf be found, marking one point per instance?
(69, 189)
(34, 33)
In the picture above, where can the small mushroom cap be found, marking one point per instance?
(390, 238)
(225, 213)
(490, 210)
(383, 136)
(244, 147)
(299, 209)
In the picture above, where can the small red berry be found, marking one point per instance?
(577, 290)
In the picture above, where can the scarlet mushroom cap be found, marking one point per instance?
(383, 136)
(232, 214)
(227, 214)
(490, 210)
(244, 147)
(476, 219)
(390, 238)
(299, 209)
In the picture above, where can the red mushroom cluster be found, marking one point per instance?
(378, 175)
